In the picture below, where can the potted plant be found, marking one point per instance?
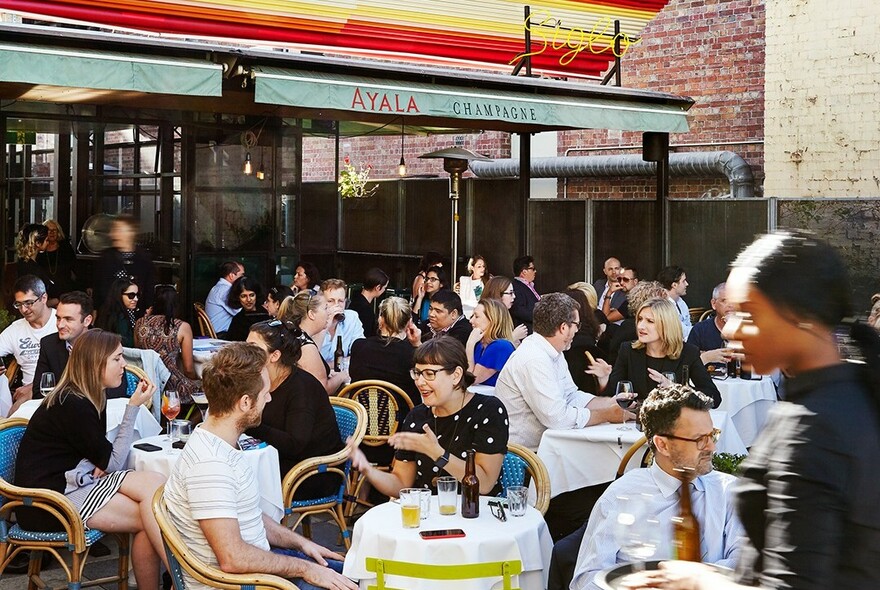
(353, 181)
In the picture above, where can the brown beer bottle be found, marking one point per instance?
(337, 356)
(685, 527)
(470, 488)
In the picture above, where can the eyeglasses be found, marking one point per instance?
(702, 441)
(22, 304)
(510, 292)
(428, 374)
(624, 280)
(530, 268)
(577, 325)
(131, 296)
(431, 279)
(497, 509)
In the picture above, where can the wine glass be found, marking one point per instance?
(47, 383)
(670, 375)
(201, 401)
(624, 396)
(170, 409)
(637, 529)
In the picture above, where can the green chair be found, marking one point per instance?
(497, 569)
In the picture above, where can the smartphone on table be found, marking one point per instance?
(442, 534)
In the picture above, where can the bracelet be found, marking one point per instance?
(441, 461)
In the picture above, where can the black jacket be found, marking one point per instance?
(53, 359)
(523, 307)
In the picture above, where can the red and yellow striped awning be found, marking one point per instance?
(571, 37)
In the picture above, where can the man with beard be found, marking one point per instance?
(679, 430)
(212, 495)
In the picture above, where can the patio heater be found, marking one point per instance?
(455, 161)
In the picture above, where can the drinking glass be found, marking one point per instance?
(670, 375)
(424, 503)
(410, 507)
(170, 409)
(517, 500)
(624, 397)
(47, 383)
(637, 530)
(201, 401)
(447, 494)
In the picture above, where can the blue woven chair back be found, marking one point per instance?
(346, 420)
(131, 383)
(10, 440)
(176, 569)
(514, 472)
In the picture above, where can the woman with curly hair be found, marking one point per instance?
(30, 242)
(245, 294)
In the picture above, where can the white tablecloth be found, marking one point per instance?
(483, 389)
(379, 533)
(203, 350)
(263, 462)
(748, 403)
(144, 425)
(589, 456)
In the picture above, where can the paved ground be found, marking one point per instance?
(324, 532)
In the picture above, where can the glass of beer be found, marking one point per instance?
(447, 494)
(410, 507)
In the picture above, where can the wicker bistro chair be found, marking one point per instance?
(386, 567)
(522, 466)
(205, 325)
(647, 458)
(71, 535)
(380, 399)
(352, 420)
(181, 559)
(13, 372)
(133, 376)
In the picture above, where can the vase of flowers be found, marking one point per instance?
(353, 181)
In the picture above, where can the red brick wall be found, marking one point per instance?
(710, 50)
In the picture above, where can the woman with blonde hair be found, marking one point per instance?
(388, 356)
(490, 343)
(660, 349)
(58, 258)
(311, 314)
(31, 240)
(65, 449)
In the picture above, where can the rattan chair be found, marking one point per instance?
(522, 466)
(706, 314)
(133, 376)
(181, 559)
(351, 418)
(205, 326)
(71, 535)
(696, 313)
(12, 373)
(426, 571)
(647, 458)
(380, 399)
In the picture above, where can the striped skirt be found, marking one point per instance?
(97, 495)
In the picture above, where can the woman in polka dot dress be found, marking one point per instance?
(433, 439)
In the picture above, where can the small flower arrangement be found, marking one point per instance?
(353, 181)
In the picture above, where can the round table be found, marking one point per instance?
(203, 350)
(379, 533)
(581, 457)
(263, 461)
(748, 402)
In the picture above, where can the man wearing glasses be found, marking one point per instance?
(628, 278)
(22, 337)
(525, 295)
(679, 430)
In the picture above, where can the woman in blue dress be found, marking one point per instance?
(490, 343)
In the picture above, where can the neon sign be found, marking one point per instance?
(576, 39)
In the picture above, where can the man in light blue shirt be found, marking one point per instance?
(679, 429)
(218, 311)
(343, 322)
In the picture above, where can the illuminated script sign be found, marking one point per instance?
(571, 42)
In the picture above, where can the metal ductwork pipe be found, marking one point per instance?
(730, 164)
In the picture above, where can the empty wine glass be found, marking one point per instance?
(47, 383)
(624, 397)
(637, 530)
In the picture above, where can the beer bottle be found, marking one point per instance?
(337, 356)
(685, 527)
(470, 488)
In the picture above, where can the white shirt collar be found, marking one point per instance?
(668, 484)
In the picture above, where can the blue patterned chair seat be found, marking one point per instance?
(16, 533)
(314, 501)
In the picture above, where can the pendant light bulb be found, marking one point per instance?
(401, 168)
(248, 168)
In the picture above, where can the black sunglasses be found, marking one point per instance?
(131, 296)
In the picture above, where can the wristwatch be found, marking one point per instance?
(442, 460)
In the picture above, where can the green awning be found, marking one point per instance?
(386, 96)
(104, 70)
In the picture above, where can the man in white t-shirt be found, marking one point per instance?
(22, 337)
(212, 495)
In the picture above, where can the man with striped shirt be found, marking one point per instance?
(212, 494)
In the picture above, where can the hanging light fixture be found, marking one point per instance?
(401, 168)
(247, 164)
(261, 171)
